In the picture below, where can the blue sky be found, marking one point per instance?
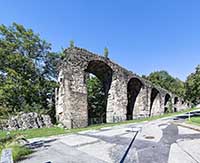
(141, 35)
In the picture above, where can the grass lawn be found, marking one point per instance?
(45, 132)
(19, 151)
(194, 120)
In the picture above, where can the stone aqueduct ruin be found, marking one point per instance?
(128, 95)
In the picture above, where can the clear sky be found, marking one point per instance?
(141, 35)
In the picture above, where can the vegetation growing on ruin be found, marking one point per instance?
(71, 43)
(106, 52)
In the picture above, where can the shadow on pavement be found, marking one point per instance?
(147, 151)
(40, 143)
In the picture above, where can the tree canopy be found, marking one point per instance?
(192, 86)
(166, 81)
(27, 69)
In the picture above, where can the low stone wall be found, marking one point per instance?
(25, 121)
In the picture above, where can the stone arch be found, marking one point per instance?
(154, 101)
(104, 73)
(166, 102)
(133, 89)
(175, 103)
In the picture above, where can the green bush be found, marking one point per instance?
(4, 112)
(20, 151)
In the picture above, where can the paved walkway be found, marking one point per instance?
(158, 141)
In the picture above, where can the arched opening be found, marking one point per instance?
(99, 78)
(175, 103)
(133, 89)
(167, 103)
(154, 93)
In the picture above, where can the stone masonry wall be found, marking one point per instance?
(71, 96)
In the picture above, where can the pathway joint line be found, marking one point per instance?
(188, 153)
(123, 158)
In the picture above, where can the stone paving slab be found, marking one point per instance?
(151, 131)
(113, 132)
(183, 130)
(192, 147)
(100, 150)
(177, 155)
(189, 126)
(76, 140)
(129, 135)
(61, 153)
(88, 132)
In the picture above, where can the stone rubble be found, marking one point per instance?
(25, 121)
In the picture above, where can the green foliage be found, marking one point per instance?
(194, 120)
(33, 133)
(144, 76)
(169, 106)
(96, 98)
(71, 44)
(27, 70)
(13, 142)
(4, 113)
(166, 81)
(193, 86)
(19, 151)
(106, 52)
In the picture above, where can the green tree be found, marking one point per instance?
(27, 70)
(192, 86)
(96, 98)
(166, 81)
